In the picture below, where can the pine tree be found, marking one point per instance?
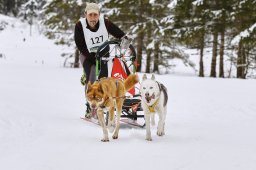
(143, 19)
(214, 53)
(31, 10)
(149, 47)
(225, 22)
(1, 6)
(60, 19)
(158, 17)
(244, 35)
(191, 25)
(183, 21)
(140, 36)
(11, 7)
(220, 16)
(201, 18)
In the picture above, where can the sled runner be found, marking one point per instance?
(123, 121)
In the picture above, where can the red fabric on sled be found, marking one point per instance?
(118, 72)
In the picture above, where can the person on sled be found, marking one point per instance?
(91, 32)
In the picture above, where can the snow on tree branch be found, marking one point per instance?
(243, 34)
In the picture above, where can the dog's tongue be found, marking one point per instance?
(94, 112)
(148, 99)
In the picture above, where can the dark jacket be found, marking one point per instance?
(80, 40)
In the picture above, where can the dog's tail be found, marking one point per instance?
(131, 80)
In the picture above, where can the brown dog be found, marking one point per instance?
(106, 95)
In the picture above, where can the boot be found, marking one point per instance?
(88, 113)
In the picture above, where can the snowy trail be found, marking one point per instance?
(209, 126)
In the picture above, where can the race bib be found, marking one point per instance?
(95, 39)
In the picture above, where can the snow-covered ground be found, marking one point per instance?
(210, 123)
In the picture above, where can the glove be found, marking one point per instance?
(83, 79)
(125, 42)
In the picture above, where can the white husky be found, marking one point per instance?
(154, 99)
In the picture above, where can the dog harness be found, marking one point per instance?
(152, 107)
(103, 105)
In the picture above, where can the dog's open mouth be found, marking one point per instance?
(94, 112)
(148, 98)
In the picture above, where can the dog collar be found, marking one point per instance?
(152, 107)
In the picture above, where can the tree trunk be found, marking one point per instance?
(214, 54)
(222, 43)
(201, 62)
(149, 52)
(244, 63)
(156, 58)
(76, 62)
(222, 47)
(239, 72)
(139, 50)
(140, 35)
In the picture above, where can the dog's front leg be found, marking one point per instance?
(119, 105)
(111, 117)
(152, 119)
(103, 125)
(161, 122)
(115, 135)
(148, 132)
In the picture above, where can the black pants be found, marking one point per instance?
(90, 70)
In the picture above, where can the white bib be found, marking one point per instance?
(95, 39)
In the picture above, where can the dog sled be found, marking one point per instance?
(116, 59)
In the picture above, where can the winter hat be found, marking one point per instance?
(92, 8)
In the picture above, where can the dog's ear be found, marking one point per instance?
(153, 77)
(100, 87)
(144, 77)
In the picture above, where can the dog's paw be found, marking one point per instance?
(148, 138)
(104, 140)
(160, 133)
(115, 136)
